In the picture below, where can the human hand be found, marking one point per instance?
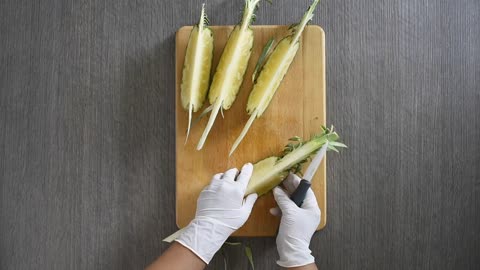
(221, 210)
(297, 224)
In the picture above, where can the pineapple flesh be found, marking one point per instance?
(263, 177)
(196, 68)
(271, 76)
(231, 68)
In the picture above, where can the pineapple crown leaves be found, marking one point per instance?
(203, 17)
(249, 254)
(254, 16)
(292, 26)
(206, 21)
(253, 6)
(307, 17)
(266, 52)
(248, 3)
(296, 142)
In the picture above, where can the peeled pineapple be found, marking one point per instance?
(231, 68)
(271, 76)
(196, 68)
(233, 63)
(272, 73)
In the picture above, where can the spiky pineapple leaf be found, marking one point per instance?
(338, 144)
(267, 49)
(250, 6)
(233, 243)
(295, 139)
(225, 264)
(297, 29)
(248, 253)
(333, 148)
(293, 25)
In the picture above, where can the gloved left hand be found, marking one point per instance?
(221, 210)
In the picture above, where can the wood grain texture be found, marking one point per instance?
(87, 132)
(298, 109)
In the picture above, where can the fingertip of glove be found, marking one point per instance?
(277, 191)
(275, 211)
(250, 200)
(230, 174)
(278, 194)
(293, 178)
(252, 196)
(248, 167)
(218, 176)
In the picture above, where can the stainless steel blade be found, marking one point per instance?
(312, 168)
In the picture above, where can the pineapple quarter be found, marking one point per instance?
(231, 68)
(196, 69)
(271, 76)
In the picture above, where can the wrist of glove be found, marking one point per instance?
(221, 210)
(297, 225)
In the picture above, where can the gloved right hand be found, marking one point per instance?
(297, 224)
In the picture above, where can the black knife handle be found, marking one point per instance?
(299, 194)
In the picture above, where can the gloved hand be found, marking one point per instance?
(297, 224)
(221, 210)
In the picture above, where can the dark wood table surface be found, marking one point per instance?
(87, 132)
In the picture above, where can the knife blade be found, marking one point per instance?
(301, 191)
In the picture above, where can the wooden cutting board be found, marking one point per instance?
(298, 108)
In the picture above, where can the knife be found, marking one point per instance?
(299, 194)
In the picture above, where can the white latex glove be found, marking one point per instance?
(221, 210)
(297, 224)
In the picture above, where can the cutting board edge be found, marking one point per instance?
(189, 27)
